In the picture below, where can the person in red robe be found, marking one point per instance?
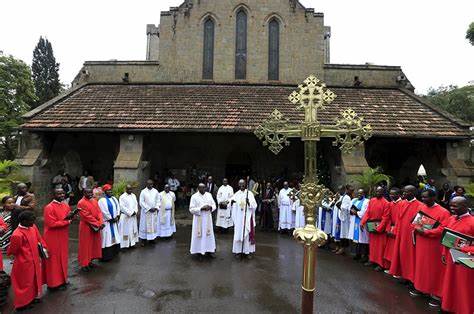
(429, 269)
(456, 293)
(27, 274)
(377, 240)
(57, 218)
(90, 240)
(389, 220)
(403, 254)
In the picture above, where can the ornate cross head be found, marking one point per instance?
(312, 94)
(270, 132)
(351, 131)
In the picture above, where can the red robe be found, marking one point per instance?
(26, 275)
(457, 295)
(4, 228)
(377, 241)
(429, 269)
(389, 220)
(90, 242)
(56, 235)
(403, 255)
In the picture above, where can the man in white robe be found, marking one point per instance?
(167, 225)
(285, 219)
(128, 226)
(243, 214)
(202, 235)
(224, 194)
(344, 216)
(299, 214)
(150, 204)
(110, 208)
(361, 237)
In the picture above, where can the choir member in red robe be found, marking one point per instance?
(90, 240)
(389, 220)
(457, 296)
(3, 229)
(27, 274)
(377, 240)
(429, 269)
(57, 218)
(403, 255)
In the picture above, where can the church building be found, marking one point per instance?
(214, 70)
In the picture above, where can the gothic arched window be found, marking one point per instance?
(274, 50)
(208, 50)
(241, 45)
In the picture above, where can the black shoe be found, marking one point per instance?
(368, 264)
(237, 256)
(85, 269)
(211, 255)
(249, 256)
(414, 293)
(434, 303)
(62, 288)
(36, 301)
(378, 268)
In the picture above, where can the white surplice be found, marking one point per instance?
(355, 234)
(128, 226)
(202, 234)
(149, 198)
(344, 216)
(325, 218)
(285, 220)
(166, 225)
(224, 219)
(298, 209)
(238, 213)
(110, 233)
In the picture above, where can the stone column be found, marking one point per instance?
(459, 163)
(129, 166)
(352, 164)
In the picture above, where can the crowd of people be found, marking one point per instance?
(384, 231)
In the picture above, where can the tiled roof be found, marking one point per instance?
(232, 108)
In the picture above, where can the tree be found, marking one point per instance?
(457, 101)
(45, 72)
(370, 178)
(16, 94)
(470, 33)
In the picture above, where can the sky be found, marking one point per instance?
(425, 37)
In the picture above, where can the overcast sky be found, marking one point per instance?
(425, 37)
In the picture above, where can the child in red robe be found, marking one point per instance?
(429, 269)
(457, 296)
(57, 218)
(377, 240)
(90, 240)
(26, 275)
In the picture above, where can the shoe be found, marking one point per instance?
(414, 293)
(211, 255)
(62, 288)
(434, 303)
(85, 269)
(36, 301)
(249, 256)
(237, 256)
(378, 268)
(387, 271)
(340, 251)
(368, 264)
(364, 260)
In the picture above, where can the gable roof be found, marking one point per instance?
(231, 108)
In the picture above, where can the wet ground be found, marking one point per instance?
(164, 278)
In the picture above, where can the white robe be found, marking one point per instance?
(285, 220)
(202, 234)
(128, 226)
(363, 236)
(335, 232)
(325, 223)
(149, 198)
(344, 215)
(110, 233)
(224, 219)
(238, 215)
(167, 227)
(299, 214)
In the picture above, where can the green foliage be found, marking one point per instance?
(120, 186)
(370, 178)
(7, 166)
(16, 94)
(9, 177)
(45, 72)
(470, 189)
(470, 33)
(457, 101)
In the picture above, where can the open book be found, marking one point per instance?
(462, 258)
(424, 221)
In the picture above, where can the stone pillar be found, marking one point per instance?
(129, 166)
(352, 164)
(459, 163)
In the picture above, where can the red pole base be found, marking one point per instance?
(307, 302)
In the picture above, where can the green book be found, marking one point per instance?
(462, 258)
(372, 225)
(468, 261)
(456, 240)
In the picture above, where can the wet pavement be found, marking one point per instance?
(164, 278)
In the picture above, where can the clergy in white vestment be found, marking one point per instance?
(325, 217)
(167, 225)
(202, 235)
(110, 208)
(298, 209)
(128, 225)
(243, 214)
(150, 202)
(344, 216)
(285, 220)
(224, 194)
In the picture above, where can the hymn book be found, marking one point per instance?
(372, 225)
(424, 221)
(462, 258)
(455, 240)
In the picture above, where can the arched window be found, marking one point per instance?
(208, 50)
(241, 45)
(274, 50)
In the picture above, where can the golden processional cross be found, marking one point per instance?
(349, 131)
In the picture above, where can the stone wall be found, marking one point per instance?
(369, 75)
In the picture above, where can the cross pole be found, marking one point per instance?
(349, 131)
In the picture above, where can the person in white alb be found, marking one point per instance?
(150, 202)
(167, 225)
(284, 204)
(224, 194)
(202, 235)
(298, 209)
(173, 183)
(128, 226)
